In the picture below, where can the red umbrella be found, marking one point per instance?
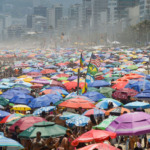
(73, 85)
(99, 146)
(94, 135)
(26, 122)
(120, 85)
(34, 74)
(62, 75)
(56, 83)
(123, 94)
(48, 71)
(37, 86)
(76, 103)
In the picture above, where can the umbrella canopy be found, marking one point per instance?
(11, 117)
(105, 123)
(68, 116)
(78, 121)
(26, 122)
(48, 71)
(136, 123)
(105, 102)
(21, 108)
(76, 103)
(99, 146)
(94, 135)
(45, 100)
(99, 83)
(3, 101)
(106, 91)
(45, 109)
(21, 99)
(123, 94)
(48, 129)
(3, 114)
(137, 104)
(7, 142)
(117, 111)
(95, 112)
(95, 96)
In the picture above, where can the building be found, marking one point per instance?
(75, 15)
(144, 10)
(122, 5)
(40, 11)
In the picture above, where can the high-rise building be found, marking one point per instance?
(144, 10)
(123, 4)
(40, 11)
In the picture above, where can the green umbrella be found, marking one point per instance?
(62, 78)
(98, 74)
(107, 91)
(108, 79)
(48, 129)
(4, 101)
(105, 123)
(12, 122)
(133, 67)
(92, 89)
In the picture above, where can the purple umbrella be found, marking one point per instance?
(136, 123)
(72, 78)
(40, 81)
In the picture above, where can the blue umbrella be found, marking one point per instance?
(138, 85)
(21, 98)
(46, 109)
(68, 116)
(4, 87)
(20, 89)
(143, 95)
(99, 83)
(3, 114)
(104, 103)
(97, 112)
(4, 141)
(137, 104)
(95, 96)
(79, 121)
(44, 100)
(73, 94)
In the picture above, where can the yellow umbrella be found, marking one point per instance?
(23, 76)
(21, 108)
(27, 79)
(76, 70)
(46, 78)
(1, 92)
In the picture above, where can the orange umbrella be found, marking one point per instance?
(76, 103)
(94, 135)
(120, 85)
(73, 85)
(37, 86)
(117, 111)
(48, 71)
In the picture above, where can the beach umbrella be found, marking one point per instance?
(36, 86)
(94, 96)
(120, 84)
(104, 103)
(73, 85)
(11, 117)
(45, 109)
(41, 81)
(48, 129)
(76, 103)
(48, 71)
(99, 146)
(21, 108)
(3, 101)
(98, 83)
(92, 89)
(3, 114)
(133, 67)
(7, 142)
(130, 124)
(55, 91)
(137, 104)
(105, 123)
(21, 99)
(123, 94)
(94, 135)
(117, 111)
(45, 100)
(26, 122)
(94, 111)
(68, 116)
(78, 121)
(106, 91)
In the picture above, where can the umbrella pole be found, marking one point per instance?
(78, 81)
